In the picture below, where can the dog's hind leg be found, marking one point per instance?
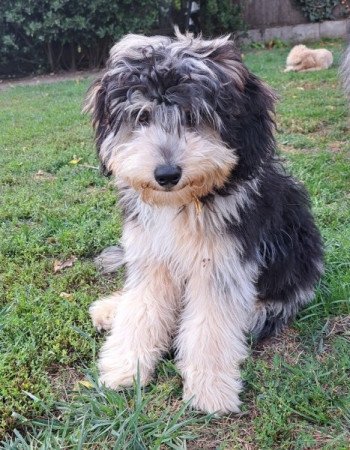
(311, 69)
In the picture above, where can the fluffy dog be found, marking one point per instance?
(303, 59)
(345, 71)
(218, 240)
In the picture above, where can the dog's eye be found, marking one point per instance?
(143, 118)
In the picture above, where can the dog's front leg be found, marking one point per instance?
(211, 342)
(142, 327)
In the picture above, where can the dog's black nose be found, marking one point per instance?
(167, 176)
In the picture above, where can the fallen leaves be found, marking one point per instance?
(75, 160)
(58, 266)
(85, 383)
(66, 295)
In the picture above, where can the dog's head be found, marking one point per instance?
(178, 119)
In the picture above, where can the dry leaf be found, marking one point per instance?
(86, 383)
(60, 265)
(75, 160)
(66, 295)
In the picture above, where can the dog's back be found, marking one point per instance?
(324, 58)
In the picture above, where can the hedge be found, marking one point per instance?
(51, 35)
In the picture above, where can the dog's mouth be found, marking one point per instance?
(178, 196)
(166, 189)
(187, 191)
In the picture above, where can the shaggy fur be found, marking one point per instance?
(303, 59)
(345, 72)
(229, 247)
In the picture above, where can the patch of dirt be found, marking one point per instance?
(287, 148)
(286, 344)
(44, 176)
(47, 79)
(236, 432)
(289, 346)
(339, 325)
(307, 86)
(63, 379)
(336, 146)
(336, 326)
(321, 129)
(322, 437)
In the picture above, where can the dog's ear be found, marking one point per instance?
(252, 127)
(246, 108)
(95, 105)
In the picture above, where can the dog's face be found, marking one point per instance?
(176, 119)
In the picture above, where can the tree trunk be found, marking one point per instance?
(50, 56)
(73, 65)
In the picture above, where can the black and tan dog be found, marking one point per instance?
(218, 240)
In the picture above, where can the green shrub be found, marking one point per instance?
(51, 35)
(319, 10)
(220, 16)
(40, 35)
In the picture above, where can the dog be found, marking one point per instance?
(218, 241)
(303, 59)
(345, 72)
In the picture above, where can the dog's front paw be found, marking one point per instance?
(102, 312)
(212, 393)
(119, 370)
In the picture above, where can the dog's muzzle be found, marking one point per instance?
(167, 176)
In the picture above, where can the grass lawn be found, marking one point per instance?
(54, 206)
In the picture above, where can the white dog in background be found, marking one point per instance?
(303, 59)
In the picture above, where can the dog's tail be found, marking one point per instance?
(110, 260)
(345, 72)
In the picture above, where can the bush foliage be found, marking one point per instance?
(220, 16)
(42, 35)
(65, 34)
(319, 10)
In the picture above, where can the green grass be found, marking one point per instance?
(297, 393)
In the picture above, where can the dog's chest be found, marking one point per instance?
(180, 238)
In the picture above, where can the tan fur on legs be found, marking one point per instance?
(141, 330)
(211, 339)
